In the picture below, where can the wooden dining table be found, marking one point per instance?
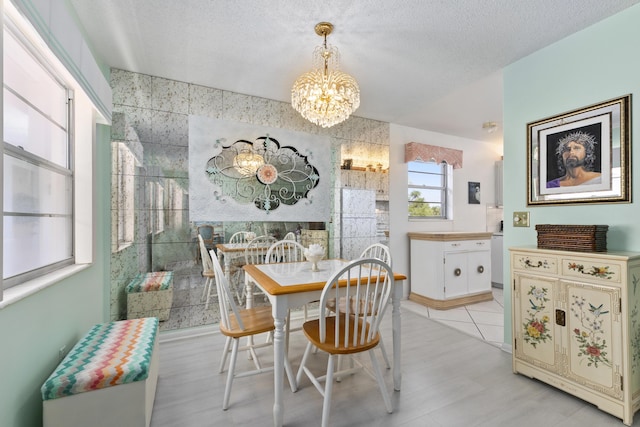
(289, 285)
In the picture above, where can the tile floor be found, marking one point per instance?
(484, 320)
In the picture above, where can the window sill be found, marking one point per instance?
(123, 246)
(23, 290)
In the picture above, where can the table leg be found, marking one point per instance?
(248, 304)
(279, 312)
(248, 291)
(395, 319)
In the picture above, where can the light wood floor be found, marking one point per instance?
(449, 379)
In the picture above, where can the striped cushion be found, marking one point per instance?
(109, 354)
(155, 281)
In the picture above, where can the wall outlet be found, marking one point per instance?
(521, 219)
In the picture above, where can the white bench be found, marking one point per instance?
(108, 378)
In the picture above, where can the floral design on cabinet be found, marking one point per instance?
(591, 343)
(600, 272)
(544, 264)
(536, 326)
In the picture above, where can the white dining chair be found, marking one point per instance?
(207, 272)
(287, 251)
(235, 272)
(237, 323)
(381, 252)
(255, 253)
(290, 236)
(242, 237)
(377, 251)
(367, 282)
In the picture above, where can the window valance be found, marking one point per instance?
(416, 151)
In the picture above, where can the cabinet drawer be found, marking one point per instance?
(603, 271)
(467, 245)
(528, 262)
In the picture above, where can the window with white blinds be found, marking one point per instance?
(38, 176)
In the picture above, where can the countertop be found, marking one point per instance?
(444, 236)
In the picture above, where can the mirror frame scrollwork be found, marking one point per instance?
(262, 173)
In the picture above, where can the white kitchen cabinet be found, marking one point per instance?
(352, 178)
(378, 182)
(496, 260)
(450, 269)
(576, 324)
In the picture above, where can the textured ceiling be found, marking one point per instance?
(429, 64)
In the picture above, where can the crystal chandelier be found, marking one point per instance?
(322, 96)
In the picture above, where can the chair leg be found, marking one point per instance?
(204, 291)
(225, 353)
(303, 362)
(328, 389)
(380, 379)
(209, 288)
(230, 374)
(384, 355)
(289, 371)
(339, 368)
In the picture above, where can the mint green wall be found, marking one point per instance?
(33, 330)
(594, 65)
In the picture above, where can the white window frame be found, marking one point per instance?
(124, 193)
(82, 130)
(446, 191)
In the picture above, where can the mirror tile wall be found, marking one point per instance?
(151, 229)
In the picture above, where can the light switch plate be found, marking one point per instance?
(521, 219)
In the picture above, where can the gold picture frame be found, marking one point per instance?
(581, 156)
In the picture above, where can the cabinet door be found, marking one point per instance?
(593, 344)
(456, 274)
(371, 181)
(534, 329)
(344, 178)
(479, 265)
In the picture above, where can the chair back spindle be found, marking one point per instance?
(367, 284)
(257, 249)
(207, 265)
(378, 251)
(285, 251)
(240, 237)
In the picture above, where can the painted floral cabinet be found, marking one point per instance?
(576, 324)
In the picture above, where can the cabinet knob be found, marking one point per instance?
(457, 272)
(480, 269)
